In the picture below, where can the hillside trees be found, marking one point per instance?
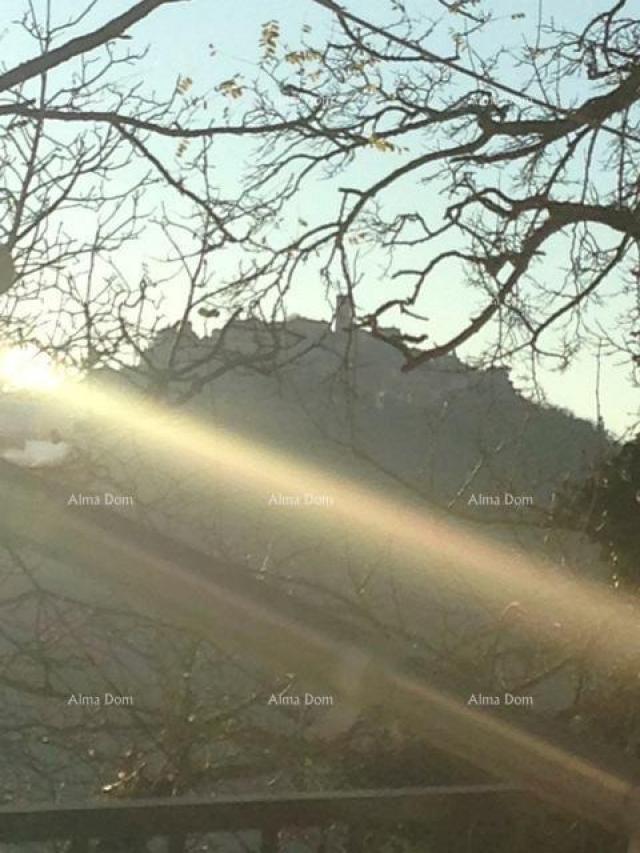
(608, 506)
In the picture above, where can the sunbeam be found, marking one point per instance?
(433, 548)
(283, 634)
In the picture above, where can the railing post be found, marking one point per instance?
(269, 840)
(176, 843)
(356, 839)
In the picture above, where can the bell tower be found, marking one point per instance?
(343, 319)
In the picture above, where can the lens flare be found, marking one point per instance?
(187, 585)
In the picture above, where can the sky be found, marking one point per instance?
(179, 36)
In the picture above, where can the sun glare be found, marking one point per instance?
(28, 369)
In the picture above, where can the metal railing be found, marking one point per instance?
(176, 820)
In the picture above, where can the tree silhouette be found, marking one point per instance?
(525, 160)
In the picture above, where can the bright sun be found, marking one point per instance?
(26, 368)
